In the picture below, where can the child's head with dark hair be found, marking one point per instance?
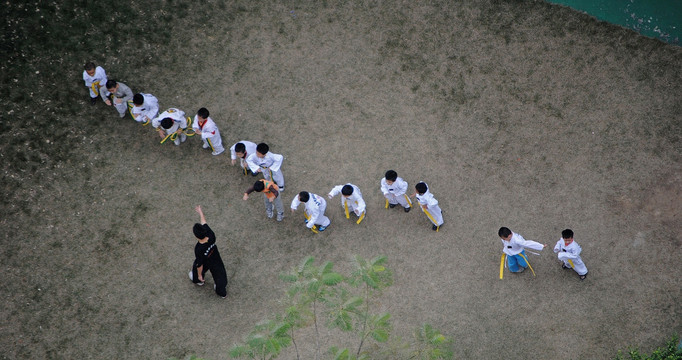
(303, 196)
(89, 66)
(504, 233)
(262, 149)
(347, 190)
(258, 186)
(203, 113)
(199, 231)
(391, 176)
(567, 234)
(111, 85)
(138, 99)
(167, 123)
(421, 188)
(239, 148)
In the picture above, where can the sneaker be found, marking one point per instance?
(521, 269)
(216, 153)
(391, 205)
(93, 100)
(563, 266)
(583, 277)
(269, 213)
(407, 209)
(205, 146)
(306, 221)
(176, 141)
(323, 228)
(280, 216)
(434, 228)
(281, 189)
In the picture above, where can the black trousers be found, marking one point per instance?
(217, 269)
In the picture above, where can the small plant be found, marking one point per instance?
(671, 351)
(318, 295)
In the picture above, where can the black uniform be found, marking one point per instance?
(207, 254)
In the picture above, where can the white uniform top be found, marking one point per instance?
(314, 207)
(427, 198)
(148, 110)
(178, 116)
(270, 161)
(208, 131)
(250, 149)
(399, 187)
(100, 75)
(517, 243)
(355, 199)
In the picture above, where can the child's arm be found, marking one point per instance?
(202, 218)
(295, 203)
(246, 194)
(335, 191)
(277, 162)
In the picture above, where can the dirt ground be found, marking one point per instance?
(516, 114)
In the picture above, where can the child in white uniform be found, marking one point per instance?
(429, 205)
(351, 199)
(176, 123)
(242, 150)
(210, 135)
(315, 205)
(145, 108)
(268, 163)
(394, 189)
(95, 79)
(568, 251)
(514, 249)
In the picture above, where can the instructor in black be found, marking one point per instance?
(207, 257)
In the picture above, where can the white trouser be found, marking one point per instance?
(403, 200)
(578, 264)
(435, 213)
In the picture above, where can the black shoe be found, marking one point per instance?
(563, 266)
(93, 100)
(407, 209)
(583, 277)
(436, 227)
(391, 206)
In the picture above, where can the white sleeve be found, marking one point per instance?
(157, 121)
(530, 244)
(86, 79)
(277, 162)
(384, 187)
(336, 190)
(195, 123)
(254, 167)
(557, 247)
(431, 200)
(295, 202)
(233, 155)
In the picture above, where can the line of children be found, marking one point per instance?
(144, 108)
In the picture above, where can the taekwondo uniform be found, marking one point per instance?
(314, 211)
(210, 135)
(395, 193)
(270, 165)
(250, 149)
(147, 111)
(125, 95)
(432, 211)
(96, 83)
(179, 122)
(514, 248)
(354, 202)
(570, 255)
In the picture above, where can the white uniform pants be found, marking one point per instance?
(403, 200)
(578, 264)
(277, 177)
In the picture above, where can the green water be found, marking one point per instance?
(660, 19)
